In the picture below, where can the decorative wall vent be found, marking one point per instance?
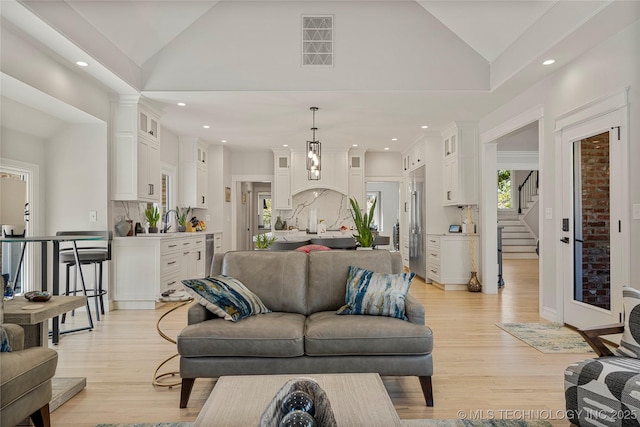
(317, 41)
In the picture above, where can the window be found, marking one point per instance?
(504, 190)
(264, 210)
(377, 220)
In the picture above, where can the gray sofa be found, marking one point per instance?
(303, 334)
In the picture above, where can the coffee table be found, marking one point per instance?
(356, 400)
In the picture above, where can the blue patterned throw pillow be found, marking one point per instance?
(225, 297)
(377, 294)
(4, 341)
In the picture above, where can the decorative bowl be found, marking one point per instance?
(38, 296)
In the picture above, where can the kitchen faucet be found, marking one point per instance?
(166, 219)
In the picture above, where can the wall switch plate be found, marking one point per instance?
(93, 216)
(207, 217)
(636, 211)
(548, 213)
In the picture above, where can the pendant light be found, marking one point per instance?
(313, 152)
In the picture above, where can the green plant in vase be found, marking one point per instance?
(182, 217)
(153, 216)
(263, 241)
(364, 238)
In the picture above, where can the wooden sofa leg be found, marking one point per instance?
(427, 389)
(187, 386)
(41, 418)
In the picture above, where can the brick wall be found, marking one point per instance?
(596, 279)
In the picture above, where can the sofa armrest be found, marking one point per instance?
(15, 334)
(414, 310)
(592, 337)
(198, 313)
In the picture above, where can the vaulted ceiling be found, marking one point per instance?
(398, 65)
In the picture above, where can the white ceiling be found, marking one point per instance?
(171, 51)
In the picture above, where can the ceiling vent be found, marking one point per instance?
(317, 41)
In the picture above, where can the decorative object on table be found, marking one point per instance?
(313, 222)
(323, 414)
(153, 216)
(122, 228)
(182, 217)
(139, 229)
(474, 284)
(278, 225)
(263, 241)
(38, 296)
(227, 194)
(298, 410)
(364, 238)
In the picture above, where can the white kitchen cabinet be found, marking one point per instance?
(460, 164)
(414, 157)
(357, 189)
(194, 174)
(136, 173)
(147, 266)
(449, 259)
(282, 180)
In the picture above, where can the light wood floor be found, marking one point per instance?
(478, 367)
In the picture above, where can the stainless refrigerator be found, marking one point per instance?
(417, 221)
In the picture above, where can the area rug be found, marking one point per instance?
(475, 423)
(548, 337)
(406, 423)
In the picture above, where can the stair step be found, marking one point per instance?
(519, 242)
(518, 248)
(516, 235)
(507, 222)
(514, 229)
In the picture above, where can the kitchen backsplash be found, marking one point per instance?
(129, 210)
(331, 206)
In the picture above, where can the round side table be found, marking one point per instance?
(158, 377)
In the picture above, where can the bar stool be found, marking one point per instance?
(87, 255)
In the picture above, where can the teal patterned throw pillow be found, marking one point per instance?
(225, 297)
(4, 341)
(377, 294)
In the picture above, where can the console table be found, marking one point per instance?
(43, 240)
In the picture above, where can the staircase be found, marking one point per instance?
(517, 241)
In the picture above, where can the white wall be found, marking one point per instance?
(382, 164)
(169, 148)
(258, 162)
(604, 70)
(76, 179)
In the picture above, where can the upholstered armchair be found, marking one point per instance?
(25, 380)
(605, 391)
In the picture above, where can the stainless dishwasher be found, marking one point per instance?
(209, 245)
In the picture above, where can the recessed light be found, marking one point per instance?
(424, 127)
(285, 145)
(549, 62)
(82, 64)
(354, 145)
(206, 126)
(386, 148)
(181, 104)
(394, 139)
(223, 140)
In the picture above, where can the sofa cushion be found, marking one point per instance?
(377, 294)
(630, 341)
(277, 278)
(268, 335)
(225, 297)
(328, 274)
(328, 334)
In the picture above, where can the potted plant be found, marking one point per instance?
(182, 218)
(364, 238)
(153, 216)
(263, 241)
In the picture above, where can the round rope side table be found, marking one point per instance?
(157, 377)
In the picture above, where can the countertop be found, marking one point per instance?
(168, 235)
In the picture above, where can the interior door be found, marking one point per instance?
(592, 243)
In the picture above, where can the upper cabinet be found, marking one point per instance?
(333, 172)
(460, 164)
(414, 158)
(282, 180)
(136, 173)
(356, 177)
(194, 173)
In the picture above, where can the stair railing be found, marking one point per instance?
(527, 189)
